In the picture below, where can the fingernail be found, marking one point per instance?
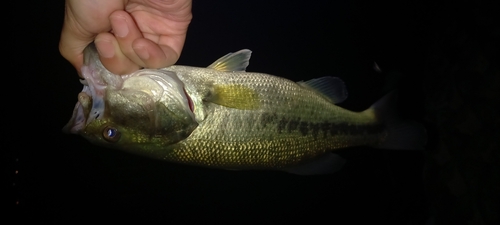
(105, 48)
(142, 52)
(120, 27)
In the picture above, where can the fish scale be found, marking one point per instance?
(224, 117)
(252, 138)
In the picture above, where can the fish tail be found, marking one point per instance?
(400, 134)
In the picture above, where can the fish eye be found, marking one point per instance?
(111, 134)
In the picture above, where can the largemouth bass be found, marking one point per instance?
(224, 117)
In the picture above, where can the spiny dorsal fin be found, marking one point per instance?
(234, 96)
(233, 62)
(332, 88)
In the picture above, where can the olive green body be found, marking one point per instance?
(289, 123)
(220, 116)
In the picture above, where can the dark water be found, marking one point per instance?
(442, 56)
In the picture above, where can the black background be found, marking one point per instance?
(55, 178)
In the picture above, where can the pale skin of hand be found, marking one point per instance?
(128, 34)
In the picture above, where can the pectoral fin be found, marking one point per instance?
(235, 96)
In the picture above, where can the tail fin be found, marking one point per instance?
(401, 134)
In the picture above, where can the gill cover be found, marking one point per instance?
(152, 102)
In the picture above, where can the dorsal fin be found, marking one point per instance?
(332, 88)
(233, 62)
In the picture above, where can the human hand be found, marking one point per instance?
(144, 33)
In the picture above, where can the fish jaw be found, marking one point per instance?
(80, 112)
(91, 104)
(77, 121)
(88, 104)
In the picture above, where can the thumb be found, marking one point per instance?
(71, 46)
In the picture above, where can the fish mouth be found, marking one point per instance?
(80, 113)
(77, 121)
(90, 105)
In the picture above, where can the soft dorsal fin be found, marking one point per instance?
(233, 62)
(332, 88)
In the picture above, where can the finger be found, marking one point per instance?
(71, 45)
(81, 27)
(126, 31)
(111, 55)
(166, 49)
(154, 55)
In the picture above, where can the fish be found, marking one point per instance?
(224, 117)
